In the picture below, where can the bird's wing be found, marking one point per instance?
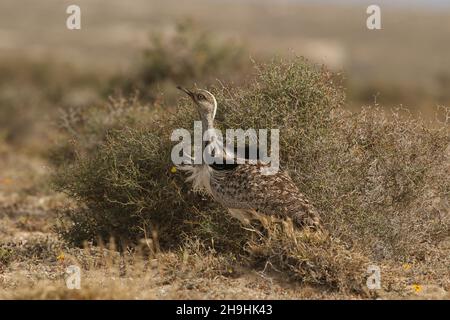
(246, 187)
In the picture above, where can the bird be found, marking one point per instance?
(243, 189)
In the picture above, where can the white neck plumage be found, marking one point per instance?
(208, 119)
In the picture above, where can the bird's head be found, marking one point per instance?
(204, 100)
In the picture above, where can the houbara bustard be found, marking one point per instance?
(242, 188)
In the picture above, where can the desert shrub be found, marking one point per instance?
(373, 174)
(125, 182)
(32, 91)
(187, 55)
(391, 184)
(82, 130)
(378, 180)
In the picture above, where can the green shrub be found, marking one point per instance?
(377, 179)
(373, 174)
(82, 130)
(124, 180)
(186, 56)
(130, 193)
(31, 91)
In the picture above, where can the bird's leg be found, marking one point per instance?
(242, 215)
(247, 219)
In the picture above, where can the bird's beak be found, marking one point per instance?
(189, 93)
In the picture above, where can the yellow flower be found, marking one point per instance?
(60, 257)
(406, 266)
(173, 169)
(417, 288)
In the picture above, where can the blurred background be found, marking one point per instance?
(151, 45)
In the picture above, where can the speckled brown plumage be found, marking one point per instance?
(246, 188)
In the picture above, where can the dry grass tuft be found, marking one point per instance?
(313, 258)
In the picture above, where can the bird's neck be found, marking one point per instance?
(207, 123)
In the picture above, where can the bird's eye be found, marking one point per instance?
(201, 97)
